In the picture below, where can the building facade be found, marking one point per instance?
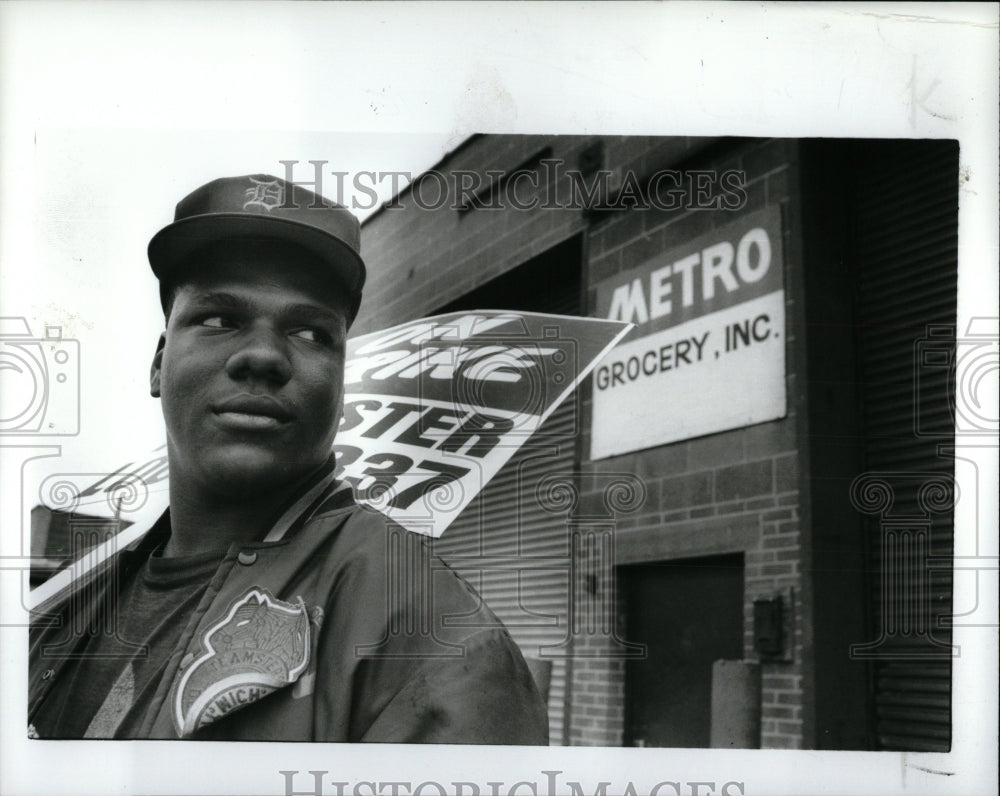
(759, 474)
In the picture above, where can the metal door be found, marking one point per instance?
(688, 613)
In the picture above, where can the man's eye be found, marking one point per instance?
(216, 322)
(312, 335)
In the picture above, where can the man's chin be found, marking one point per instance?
(252, 477)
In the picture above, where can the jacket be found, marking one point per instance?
(346, 628)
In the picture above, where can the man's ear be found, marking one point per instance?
(154, 369)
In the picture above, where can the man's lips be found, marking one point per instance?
(252, 412)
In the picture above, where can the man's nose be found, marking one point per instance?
(262, 355)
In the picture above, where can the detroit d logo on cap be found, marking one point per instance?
(267, 194)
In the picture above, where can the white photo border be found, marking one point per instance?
(832, 70)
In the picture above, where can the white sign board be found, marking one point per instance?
(708, 350)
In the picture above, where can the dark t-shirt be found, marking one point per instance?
(114, 675)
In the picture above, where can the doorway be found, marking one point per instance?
(688, 613)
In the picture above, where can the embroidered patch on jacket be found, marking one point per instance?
(260, 645)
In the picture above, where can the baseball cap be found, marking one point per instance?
(260, 206)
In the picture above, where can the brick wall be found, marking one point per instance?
(699, 490)
(736, 491)
(420, 260)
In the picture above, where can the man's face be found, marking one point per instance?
(250, 370)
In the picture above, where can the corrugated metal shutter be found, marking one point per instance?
(907, 235)
(506, 519)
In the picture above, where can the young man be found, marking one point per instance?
(265, 604)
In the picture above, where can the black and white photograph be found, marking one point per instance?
(501, 398)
